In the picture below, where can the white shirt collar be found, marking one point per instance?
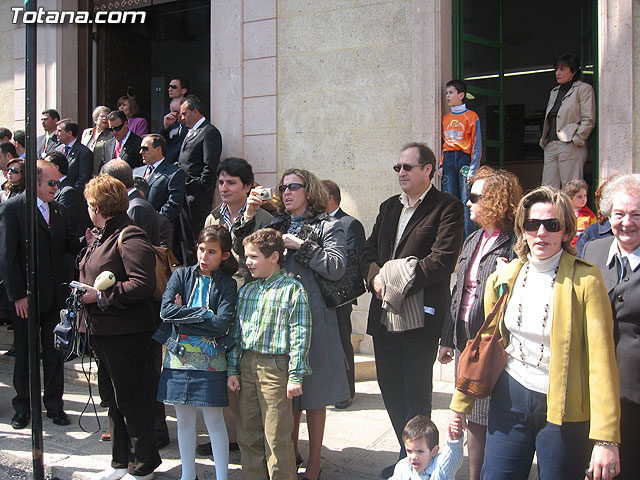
(333, 214)
(633, 257)
(155, 165)
(62, 178)
(70, 145)
(404, 199)
(124, 140)
(198, 123)
(131, 190)
(41, 204)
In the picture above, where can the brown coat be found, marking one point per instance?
(128, 305)
(434, 235)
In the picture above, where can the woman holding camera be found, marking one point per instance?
(120, 322)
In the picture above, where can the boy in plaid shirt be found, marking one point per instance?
(272, 335)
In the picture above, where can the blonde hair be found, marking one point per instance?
(317, 196)
(108, 194)
(501, 194)
(566, 215)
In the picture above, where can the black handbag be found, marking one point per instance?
(348, 288)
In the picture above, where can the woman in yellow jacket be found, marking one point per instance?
(558, 394)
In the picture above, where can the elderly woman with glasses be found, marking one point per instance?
(493, 200)
(316, 245)
(618, 258)
(94, 138)
(558, 394)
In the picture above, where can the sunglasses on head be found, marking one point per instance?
(475, 197)
(292, 186)
(14, 170)
(116, 129)
(550, 224)
(173, 86)
(406, 166)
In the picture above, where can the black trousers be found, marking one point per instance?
(404, 365)
(630, 432)
(52, 362)
(126, 387)
(344, 327)
(198, 205)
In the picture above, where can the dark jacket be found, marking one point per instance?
(130, 151)
(453, 333)
(199, 157)
(144, 216)
(166, 188)
(80, 160)
(433, 235)
(127, 306)
(213, 321)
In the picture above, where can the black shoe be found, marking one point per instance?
(344, 404)
(11, 352)
(162, 442)
(299, 461)
(204, 449)
(233, 446)
(59, 418)
(20, 420)
(387, 472)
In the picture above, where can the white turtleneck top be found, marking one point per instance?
(529, 340)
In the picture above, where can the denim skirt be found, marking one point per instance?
(197, 388)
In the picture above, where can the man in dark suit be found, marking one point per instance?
(49, 141)
(140, 211)
(173, 131)
(80, 158)
(124, 144)
(426, 223)
(199, 158)
(55, 236)
(355, 241)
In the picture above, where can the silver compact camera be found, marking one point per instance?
(265, 194)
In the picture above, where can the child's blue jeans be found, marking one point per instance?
(455, 167)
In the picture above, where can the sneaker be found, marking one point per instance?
(110, 474)
(128, 476)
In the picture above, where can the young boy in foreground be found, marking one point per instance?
(269, 360)
(424, 459)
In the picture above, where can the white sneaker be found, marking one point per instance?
(128, 476)
(110, 474)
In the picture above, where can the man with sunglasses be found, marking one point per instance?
(124, 145)
(427, 224)
(55, 237)
(80, 158)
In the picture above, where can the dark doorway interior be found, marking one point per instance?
(174, 40)
(505, 51)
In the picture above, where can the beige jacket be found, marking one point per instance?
(576, 117)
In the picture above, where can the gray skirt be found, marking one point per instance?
(480, 413)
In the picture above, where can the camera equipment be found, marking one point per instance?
(265, 194)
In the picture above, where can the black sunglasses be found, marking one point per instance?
(407, 167)
(171, 85)
(116, 129)
(475, 197)
(14, 170)
(550, 224)
(51, 183)
(292, 186)
(144, 148)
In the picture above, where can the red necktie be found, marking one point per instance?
(118, 150)
(147, 174)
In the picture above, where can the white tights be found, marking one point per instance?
(186, 415)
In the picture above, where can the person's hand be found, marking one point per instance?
(605, 462)
(293, 390)
(22, 307)
(254, 202)
(461, 416)
(440, 172)
(455, 427)
(169, 119)
(90, 295)
(376, 283)
(178, 299)
(233, 383)
(291, 242)
(89, 237)
(445, 355)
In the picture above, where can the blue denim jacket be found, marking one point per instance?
(212, 321)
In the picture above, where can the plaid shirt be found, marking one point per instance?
(273, 318)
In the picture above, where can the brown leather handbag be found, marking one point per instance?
(484, 357)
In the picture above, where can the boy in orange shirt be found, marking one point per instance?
(576, 190)
(461, 147)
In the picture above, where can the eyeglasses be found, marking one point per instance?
(173, 86)
(550, 224)
(292, 186)
(51, 183)
(14, 170)
(116, 129)
(475, 198)
(406, 166)
(144, 148)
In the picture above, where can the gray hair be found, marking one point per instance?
(98, 110)
(629, 183)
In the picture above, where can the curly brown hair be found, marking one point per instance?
(108, 194)
(501, 194)
(317, 196)
(566, 215)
